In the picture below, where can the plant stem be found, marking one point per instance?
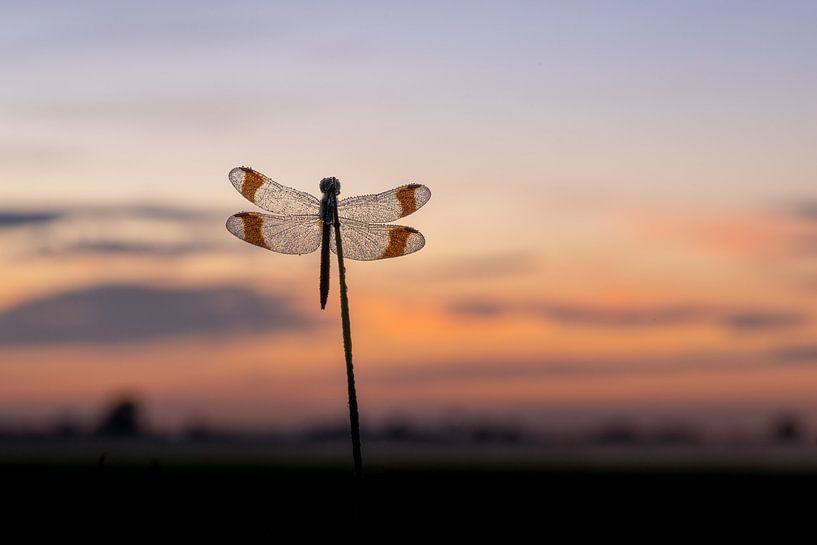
(354, 419)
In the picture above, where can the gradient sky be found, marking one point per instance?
(623, 221)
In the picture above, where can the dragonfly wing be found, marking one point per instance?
(384, 207)
(283, 234)
(272, 196)
(370, 241)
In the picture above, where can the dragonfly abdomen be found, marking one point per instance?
(325, 264)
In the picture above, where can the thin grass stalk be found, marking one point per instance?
(354, 419)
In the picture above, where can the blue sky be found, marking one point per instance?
(697, 101)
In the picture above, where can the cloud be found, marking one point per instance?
(582, 315)
(137, 229)
(571, 367)
(806, 353)
(806, 245)
(20, 154)
(128, 313)
(780, 232)
(108, 247)
(11, 218)
(144, 109)
(632, 317)
(143, 211)
(805, 209)
(578, 367)
(749, 235)
(104, 27)
(477, 308)
(764, 320)
(621, 317)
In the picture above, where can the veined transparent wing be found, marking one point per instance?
(384, 207)
(272, 196)
(370, 241)
(283, 234)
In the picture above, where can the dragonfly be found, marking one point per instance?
(300, 222)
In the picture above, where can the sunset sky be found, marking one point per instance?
(623, 221)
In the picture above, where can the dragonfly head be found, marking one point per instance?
(330, 185)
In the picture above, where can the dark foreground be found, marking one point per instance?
(239, 499)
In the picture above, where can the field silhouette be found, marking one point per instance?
(477, 480)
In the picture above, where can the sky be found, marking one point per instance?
(623, 221)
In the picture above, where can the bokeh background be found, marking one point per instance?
(623, 229)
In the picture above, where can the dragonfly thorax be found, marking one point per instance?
(330, 185)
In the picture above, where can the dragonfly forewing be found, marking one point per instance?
(272, 196)
(384, 207)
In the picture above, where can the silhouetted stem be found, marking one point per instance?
(347, 350)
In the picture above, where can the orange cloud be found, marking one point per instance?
(748, 235)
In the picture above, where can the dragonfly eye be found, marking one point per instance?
(330, 184)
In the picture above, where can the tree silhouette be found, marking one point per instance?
(122, 420)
